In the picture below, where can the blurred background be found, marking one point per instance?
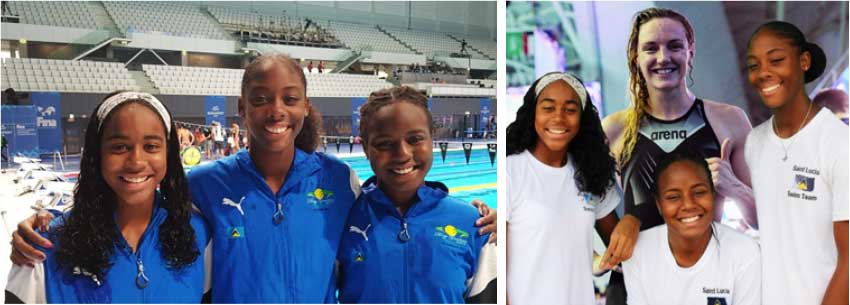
(589, 39)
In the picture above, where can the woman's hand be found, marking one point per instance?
(487, 222)
(622, 243)
(23, 253)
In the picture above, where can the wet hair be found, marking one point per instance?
(790, 32)
(686, 156)
(384, 97)
(637, 83)
(308, 139)
(88, 236)
(595, 168)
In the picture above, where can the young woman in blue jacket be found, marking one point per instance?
(407, 241)
(122, 241)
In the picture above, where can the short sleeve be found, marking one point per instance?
(481, 288)
(748, 282)
(839, 170)
(26, 284)
(510, 201)
(635, 292)
(612, 199)
(748, 151)
(354, 181)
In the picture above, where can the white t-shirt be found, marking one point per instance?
(728, 273)
(797, 202)
(550, 233)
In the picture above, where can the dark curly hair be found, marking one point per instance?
(694, 157)
(595, 167)
(384, 97)
(308, 139)
(88, 237)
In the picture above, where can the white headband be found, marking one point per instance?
(122, 97)
(569, 79)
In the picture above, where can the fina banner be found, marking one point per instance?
(484, 114)
(467, 150)
(444, 146)
(48, 121)
(491, 149)
(19, 129)
(355, 114)
(215, 108)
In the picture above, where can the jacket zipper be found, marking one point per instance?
(404, 237)
(142, 279)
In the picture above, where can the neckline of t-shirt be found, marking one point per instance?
(811, 125)
(537, 164)
(707, 255)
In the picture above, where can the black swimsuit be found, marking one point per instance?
(656, 138)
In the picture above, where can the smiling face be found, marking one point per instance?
(273, 107)
(556, 117)
(685, 199)
(663, 53)
(398, 146)
(133, 153)
(776, 69)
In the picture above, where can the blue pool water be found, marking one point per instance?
(476, 180)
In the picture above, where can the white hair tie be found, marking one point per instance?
(571, 80)
(113, 101)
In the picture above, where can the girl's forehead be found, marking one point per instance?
(662, 27)
(274, 70)
(401, 106)
(136, 114)
(767, 40)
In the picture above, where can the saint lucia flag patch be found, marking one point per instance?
(716, 301)
(237, 232)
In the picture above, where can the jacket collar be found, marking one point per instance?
(303, 165)
(426, 200)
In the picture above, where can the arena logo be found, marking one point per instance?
(670, 135)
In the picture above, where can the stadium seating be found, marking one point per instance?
(164, 17)
(54, 13)
(487, 47)
(454, 89)
(215, 81)
(34, 74)
(366, 37)
(283, 28)
(430, 43)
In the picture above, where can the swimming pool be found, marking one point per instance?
(476, 180)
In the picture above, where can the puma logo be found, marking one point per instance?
(238, 206)
(359, 231)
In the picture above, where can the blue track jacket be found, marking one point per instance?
(140, 277)
(269, 248)
(433, 254)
